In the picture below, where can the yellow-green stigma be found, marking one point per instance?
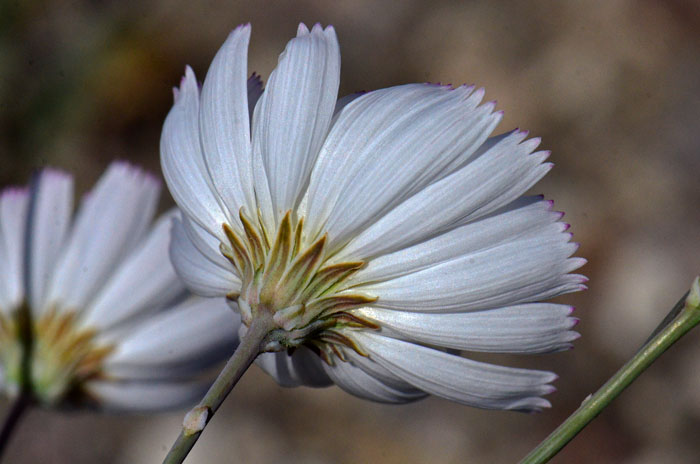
(292, 281)
(51, 358)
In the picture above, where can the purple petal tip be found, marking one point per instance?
(13, 191)
(56, 173)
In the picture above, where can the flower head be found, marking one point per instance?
(91, 310)
(378, 232)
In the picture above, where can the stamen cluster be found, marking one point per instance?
(295, 283)
(51, 356)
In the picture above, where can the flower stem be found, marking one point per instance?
(200, 415)
(25, 398)
(686, 319)
(19, 406)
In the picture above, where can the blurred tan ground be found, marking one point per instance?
(611, 87)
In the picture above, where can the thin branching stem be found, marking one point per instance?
(669, 331)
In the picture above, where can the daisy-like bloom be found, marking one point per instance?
(371, 237)
(91, 310)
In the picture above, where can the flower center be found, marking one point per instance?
(293, 281)
(63, 355)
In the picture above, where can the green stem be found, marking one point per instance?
(25, 398)
(200, 415)
(688, 318)
(17, 410)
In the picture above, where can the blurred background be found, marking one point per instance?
(611, 87)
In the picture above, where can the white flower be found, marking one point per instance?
(381, 231)
(91, 310)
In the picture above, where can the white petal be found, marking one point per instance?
(136, 396)
(343, 102)
(522, 270)
(205, 243)
(497, 176)
(293, 115)
(387, 145)
(14, 204)
(528, 328)
(110, 222)
(51, 211)
(356, 381)
(179, 341)
(183, 164)
(530, 219)
(301, 368)
(459, 379)
(144, 282)
(225, 123)
(339, 105)
(263, 196)
(201, 275)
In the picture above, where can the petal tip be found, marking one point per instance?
(55, 174)
(189, 73)
(13, 191)
(535, 406)
(240, 30)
